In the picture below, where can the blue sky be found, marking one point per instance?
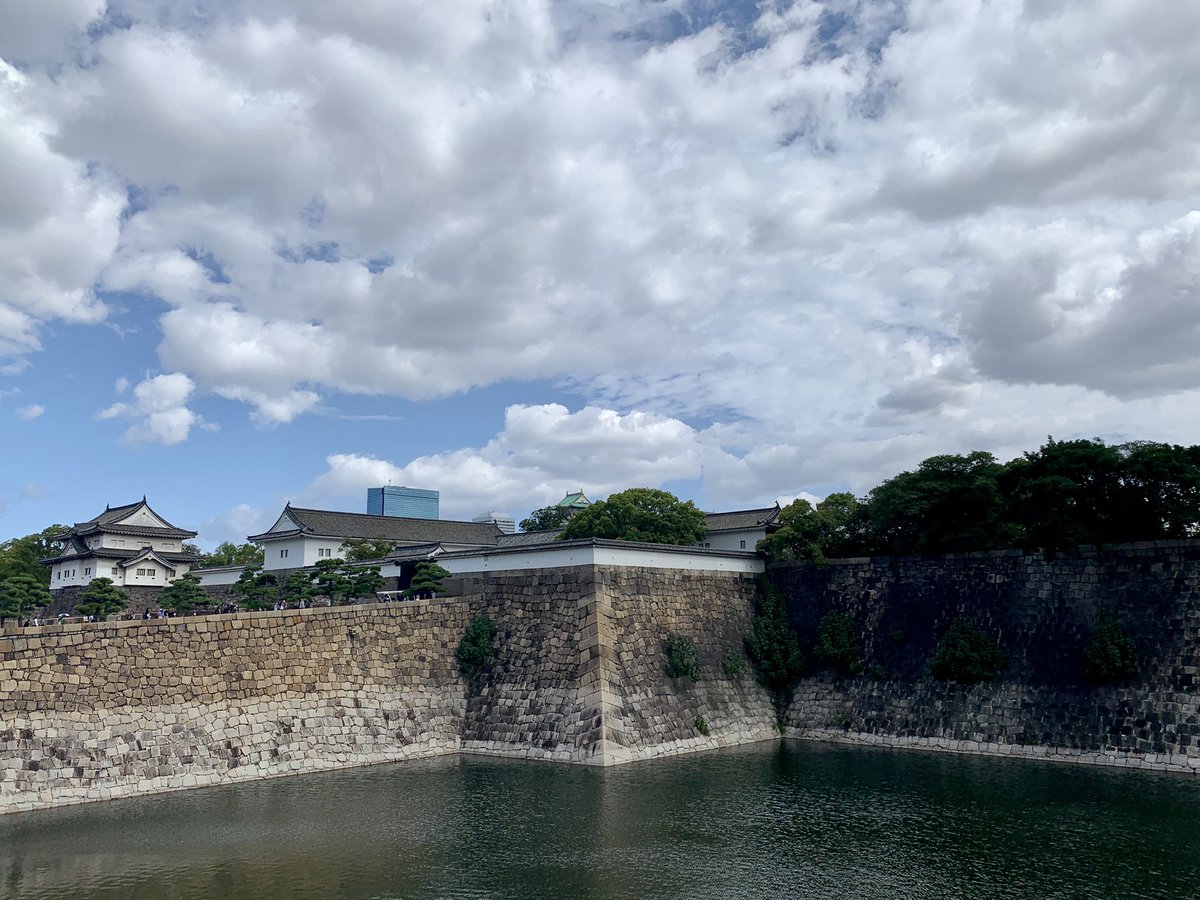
(253, 252)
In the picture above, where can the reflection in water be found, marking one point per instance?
(800, 820)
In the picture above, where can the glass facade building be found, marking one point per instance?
(410, 503)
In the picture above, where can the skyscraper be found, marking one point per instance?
(411, 503)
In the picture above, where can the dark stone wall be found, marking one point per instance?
(1041, 612)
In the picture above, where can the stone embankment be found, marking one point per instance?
(1041, 612)
(94, 711)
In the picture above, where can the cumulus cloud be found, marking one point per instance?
(541, 453)
(30, 411)
(159, 410)
(850, 232)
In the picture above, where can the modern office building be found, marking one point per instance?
(411, 503)
(507, 524)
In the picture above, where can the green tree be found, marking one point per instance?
(839, 643)
(297, 589)
(101, 598)
(951, 503)
(548, 518)
(364, 582)
(771, 644)
(362, 550)
(427, 580)
(966, 654)
(1159, 492)
(330, 579)
(834, 528)
(230, 554)
(639, 514)
(20, 594)
(1066, 494)
(256, 589)
(24, 555)
(183, 595)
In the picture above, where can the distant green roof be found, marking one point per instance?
(574, 501)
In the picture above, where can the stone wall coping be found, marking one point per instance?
(255, 615)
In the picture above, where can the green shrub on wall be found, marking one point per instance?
(771, 644)
(967, 654)
(475, 648)
(733, 662)
(1110, 656)
(682, 659)
(839, 643)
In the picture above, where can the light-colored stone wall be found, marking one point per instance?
(89, 712)
(93, 711)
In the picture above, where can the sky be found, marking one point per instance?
(257, 251)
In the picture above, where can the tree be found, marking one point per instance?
(297, 589)
(1159, 492)
(1065, 494)
(230, 554)
(427, 580)
(24, 555)
(951, 503)
(20, 594)
(639, 514)
(256, 589)
(101, 598)
(331, 580)
(834, 528)
(548, 518)
(362, 550)
(364, 582)
(184, 594)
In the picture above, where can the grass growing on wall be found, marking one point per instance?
(683, 660)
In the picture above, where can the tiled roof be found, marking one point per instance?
(742, 519)
(528, 538)
(113, 514)
(115, 553)
(574, 500)
(416, 551)
(326, 523)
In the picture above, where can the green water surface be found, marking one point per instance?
(790, 820)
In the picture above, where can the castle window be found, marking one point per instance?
(743, 545)
(283, 554)
(87, 571)
(114, 570)
(142, 572)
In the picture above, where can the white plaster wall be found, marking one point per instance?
(296, 553)
(219, 576)
(732, 540)
(485, 561)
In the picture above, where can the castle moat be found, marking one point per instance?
(791, 819)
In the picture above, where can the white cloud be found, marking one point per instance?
(852, 232)
(159, 410)
(542, 452)
(30, 411)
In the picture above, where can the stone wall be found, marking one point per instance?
(93, 711)
(648, 714)
(580, 672)
(1041, 612)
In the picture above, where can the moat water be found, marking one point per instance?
(797, 820)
